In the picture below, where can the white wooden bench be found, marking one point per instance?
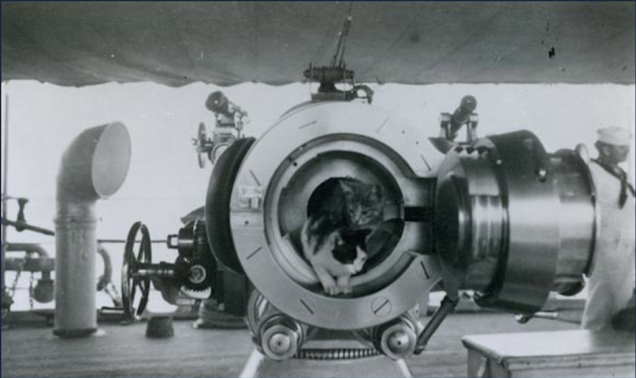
(576, 353)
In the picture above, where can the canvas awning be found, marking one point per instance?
(226, 43)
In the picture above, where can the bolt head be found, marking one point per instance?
(197, 274)
(280, 343)
(399, 342)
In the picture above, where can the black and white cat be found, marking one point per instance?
(334, 237)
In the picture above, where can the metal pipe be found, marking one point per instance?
(26, 226)
(93, 167)
(45, 265)
(121, 241)
(5, 184)
(448, 305)
(159, 271)
(43, 290)
(27, 247)
(571, 316)
(105, 278)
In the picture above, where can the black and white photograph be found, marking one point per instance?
(318, 189)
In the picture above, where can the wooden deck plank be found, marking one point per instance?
(124, 351)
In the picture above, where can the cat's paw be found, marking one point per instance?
(327, 281)
(332, 290)
(344, 284)
(345, 289)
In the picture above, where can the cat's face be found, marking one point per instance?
(358, 262)
(349, 250)
(350, 255)
(365, 204)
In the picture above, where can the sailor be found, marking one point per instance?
(611, 281)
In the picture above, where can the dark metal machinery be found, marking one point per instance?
(229, 122)
(195, 271)
(499, 215)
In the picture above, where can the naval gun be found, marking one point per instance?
(498, 215)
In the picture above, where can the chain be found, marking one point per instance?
(31, 291)
(11, 291)
(17, 277)
(111, 290)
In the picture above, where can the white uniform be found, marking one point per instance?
(611, 283)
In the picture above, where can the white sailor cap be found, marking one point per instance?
(615, 136)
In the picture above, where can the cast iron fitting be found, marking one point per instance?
(44, 289)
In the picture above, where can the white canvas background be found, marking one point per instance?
(164, 181)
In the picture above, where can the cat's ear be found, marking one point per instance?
(377, 191)
(347, 189)
(335, 239)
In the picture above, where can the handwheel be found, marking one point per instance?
(130, 278)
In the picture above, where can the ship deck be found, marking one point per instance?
(124, 351)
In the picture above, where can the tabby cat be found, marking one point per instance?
(341, 216)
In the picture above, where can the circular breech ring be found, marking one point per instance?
(308, 146)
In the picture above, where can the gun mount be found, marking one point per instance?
(476, 221)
